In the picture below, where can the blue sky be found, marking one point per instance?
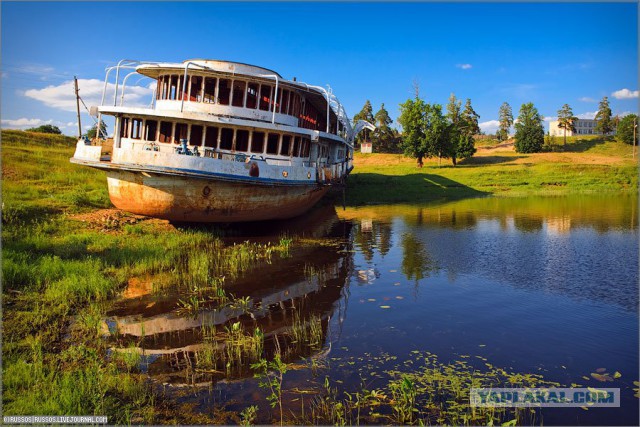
(545, 53)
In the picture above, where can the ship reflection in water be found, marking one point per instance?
(283, 306)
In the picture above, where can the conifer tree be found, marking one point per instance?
(365, 114)
(529, 130)
(506, 121)
(566, 120)
(604, 123)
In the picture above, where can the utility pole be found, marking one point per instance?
(634, 136)
(75, 81)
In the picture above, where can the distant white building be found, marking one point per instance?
(583, 127)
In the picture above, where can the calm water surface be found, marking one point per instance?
(535, 285)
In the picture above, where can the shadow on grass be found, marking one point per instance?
(580, 145)
(373, 188)
(488, 160)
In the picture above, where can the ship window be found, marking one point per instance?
(180, 85)
(277, 101)
(211, 137)
(124, 127)
(272, 143)
(180, 132)
(210, 90)
(196, 135)
(242, 140)
(238, 93)
(165, 87)
(173, 87)
(195, 92)
(159, 86)
(257, 142)
(226, 139)
(252, 95)
(295, 108)
(286, 144)
(265, 97)
(306, 145)
(296, 146)
(136, 128)
(151, 130)
(165, 131)
(224, 90)
(284, 102)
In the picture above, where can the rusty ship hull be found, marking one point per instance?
(185, 199)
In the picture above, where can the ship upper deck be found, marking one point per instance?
(231, 89)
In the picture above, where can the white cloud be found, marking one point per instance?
(587, 99)
(490, 126)
(588, 115)
(550, 118)
(24, 123)
(625, 94)
(62, 97)
(465, 66)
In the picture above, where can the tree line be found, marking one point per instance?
(428, 131)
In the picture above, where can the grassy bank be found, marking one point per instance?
(585, 165)
(64, 257)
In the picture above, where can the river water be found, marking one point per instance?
(534, 285)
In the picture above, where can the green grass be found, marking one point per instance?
(60, 274)
(585, 165)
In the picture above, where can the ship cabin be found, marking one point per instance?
(236, 112)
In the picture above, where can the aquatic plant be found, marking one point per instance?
(271, 375)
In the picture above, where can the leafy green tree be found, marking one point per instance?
(506, 121)
(413, 129)
(91, 133)
(626, 129)
(46, 129)
(529, 130)
(604, 124)
(471, 118)
(436, 136)
(566, 120)
(365, 114)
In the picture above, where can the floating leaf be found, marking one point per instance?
(484, 345)
(601, 370)
(636, 383)
(371, 299)
(584, 407)
(563, 367)
(617, 374)
(385, 306)
(396, 284)
(510, 423)
(601, 378)
(399, 297)
(393, 271)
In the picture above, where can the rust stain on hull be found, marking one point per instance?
(199, 200)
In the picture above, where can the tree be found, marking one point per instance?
(566, 120)
(529, 130)
(436, 133)
(91, 133)
(46, 129)
(506, 121)
(365, 114)
(604, 124)
(470, 118)
(412, 121)
(383, 136)
(626, 129)
(462, 126)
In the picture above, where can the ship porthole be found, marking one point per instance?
(285, 174)
(308, 175)
(206, 191)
